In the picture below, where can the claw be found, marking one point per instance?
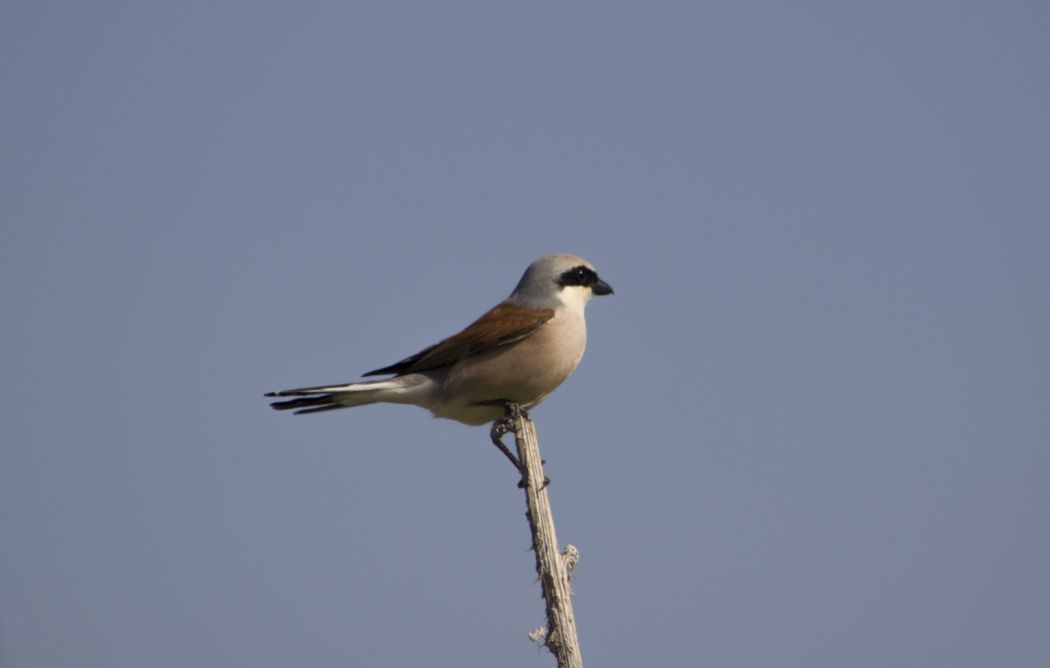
(499, 428)
(546, 481)
(505, 425)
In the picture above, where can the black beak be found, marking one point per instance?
(600, 287)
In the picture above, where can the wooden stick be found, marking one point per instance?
(551, 566)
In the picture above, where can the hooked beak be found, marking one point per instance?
(601, 288)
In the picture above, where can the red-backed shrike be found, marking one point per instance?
(518, 352)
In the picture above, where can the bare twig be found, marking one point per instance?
(552, 567)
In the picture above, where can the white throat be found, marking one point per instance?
(575, 297)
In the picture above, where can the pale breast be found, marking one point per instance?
(525, 371)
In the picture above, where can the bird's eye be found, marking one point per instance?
(578, 276)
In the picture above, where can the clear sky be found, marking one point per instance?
(812, 428)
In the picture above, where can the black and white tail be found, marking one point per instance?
(331, 397)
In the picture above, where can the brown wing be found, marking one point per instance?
(501, 325)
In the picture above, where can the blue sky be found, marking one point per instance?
(811, 427)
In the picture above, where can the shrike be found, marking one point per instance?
(518, 352)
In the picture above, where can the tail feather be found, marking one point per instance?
(320, 409)
(304, 402)
(317, 389)
(330, 397)
(324, 402)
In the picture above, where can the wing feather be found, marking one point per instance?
(499, 326)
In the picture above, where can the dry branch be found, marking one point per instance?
(552, 567)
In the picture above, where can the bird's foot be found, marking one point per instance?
(546, 481)
(499, 428)
(507, 424)
(514, 411)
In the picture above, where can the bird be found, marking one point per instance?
(515, 354)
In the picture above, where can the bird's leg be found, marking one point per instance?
(505, 424)
(499, 428)
(513, 412)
